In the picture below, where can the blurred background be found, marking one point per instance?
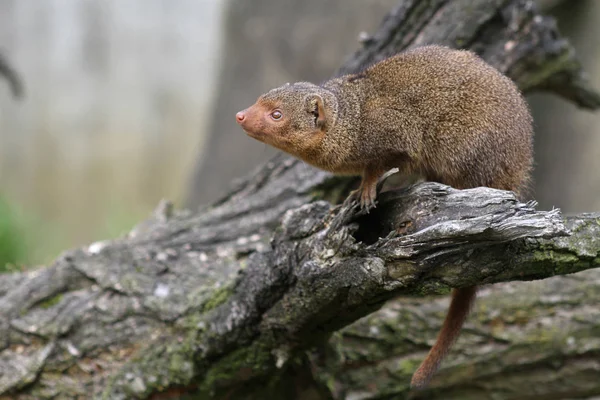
(127, 102)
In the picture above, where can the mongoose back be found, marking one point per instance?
(432, 111)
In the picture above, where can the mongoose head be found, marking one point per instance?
(294, 118)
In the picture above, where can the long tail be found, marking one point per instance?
(460, 306)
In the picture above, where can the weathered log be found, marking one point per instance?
(208, 301)
(231, 302)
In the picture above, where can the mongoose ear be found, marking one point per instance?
(316, 106)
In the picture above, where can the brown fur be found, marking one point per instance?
(439, 113)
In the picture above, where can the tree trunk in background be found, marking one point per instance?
(567, 144)
(267, 43)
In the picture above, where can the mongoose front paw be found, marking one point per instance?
(365, 196)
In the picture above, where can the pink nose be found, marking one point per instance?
(240, 116)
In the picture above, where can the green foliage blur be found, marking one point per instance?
(29, 241)
(13, 244)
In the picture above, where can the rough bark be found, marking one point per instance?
(240, 299)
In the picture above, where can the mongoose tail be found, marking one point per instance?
(460, 306)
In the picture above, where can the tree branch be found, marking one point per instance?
(227, 302)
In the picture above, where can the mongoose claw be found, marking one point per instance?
(364, 196)
(367, 201)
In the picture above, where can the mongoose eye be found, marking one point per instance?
(276, 115)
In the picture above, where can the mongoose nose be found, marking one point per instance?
(240, 116)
